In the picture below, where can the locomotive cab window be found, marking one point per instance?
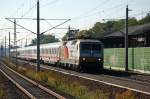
(96, 47)
(90, 46)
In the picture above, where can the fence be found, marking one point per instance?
(139, 58)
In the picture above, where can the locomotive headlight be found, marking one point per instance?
(83, 59)
(99, 59)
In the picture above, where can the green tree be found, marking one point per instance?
(65, 37)
(119, 24)
(133, 21)
(84, 34)
(45, 39)
(145, 20)
(99, 30)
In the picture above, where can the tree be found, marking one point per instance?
(65, 37)
(119, 24)
(45, 39)
(84, 34)
(99, 30)
(132, 21)
(145, 20)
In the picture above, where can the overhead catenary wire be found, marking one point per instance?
(9, 28)
(52, 25)
(121, 17)
(20, 26)
(144, 12)
(56, 26)
(19, 8)
(28, 11)
(49, 3)
(85, 15)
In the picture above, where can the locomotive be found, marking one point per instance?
(79, 54)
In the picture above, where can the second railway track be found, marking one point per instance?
(29, 87)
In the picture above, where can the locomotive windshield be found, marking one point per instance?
(90, 49)
(91, 46)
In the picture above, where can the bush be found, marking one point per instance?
(42, 76)
(2, 93)
(100, 95)
(125, 95)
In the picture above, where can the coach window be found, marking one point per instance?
(35, 51)
(27, 51)
(42, 51)
(52, 50)
(55, 50)
(49, 51)
(46, 51)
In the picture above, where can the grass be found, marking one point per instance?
(125, 95)
(2, 93)
(69, 86)
(72, 88)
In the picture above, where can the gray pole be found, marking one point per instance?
(9, 46)
(126, 40)
(15, 43)
(21, 43)
(38, 37)
(5, 46)
(69, 36)
(26, 42)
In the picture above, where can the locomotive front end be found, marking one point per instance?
(91, 55)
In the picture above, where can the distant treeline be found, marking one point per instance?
(98, 30)
(44, 39)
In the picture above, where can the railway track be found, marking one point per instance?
(127, 82)
(32, 89)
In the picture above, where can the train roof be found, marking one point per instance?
(84, 40)
(88, 40)
(56, 44)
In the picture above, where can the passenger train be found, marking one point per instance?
(76, 54)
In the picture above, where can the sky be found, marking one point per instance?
(83, 14)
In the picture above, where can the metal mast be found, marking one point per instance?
(38, 37)
(126, 40)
